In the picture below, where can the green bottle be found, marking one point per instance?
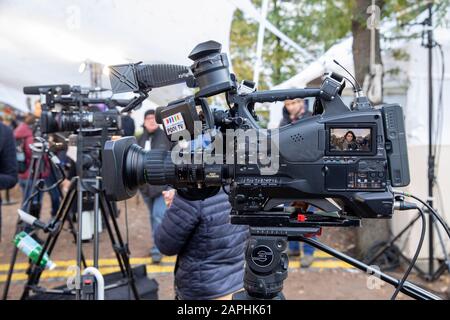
(32, 249)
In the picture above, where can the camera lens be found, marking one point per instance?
(152, 167)
(134, 167)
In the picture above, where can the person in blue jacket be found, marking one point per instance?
(210, 262)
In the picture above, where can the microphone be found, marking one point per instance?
(56, 88)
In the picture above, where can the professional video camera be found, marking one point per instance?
(314, 161)
(67, 108)
(342, 160)
(70, 109)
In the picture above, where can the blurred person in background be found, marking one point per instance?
(128, 126)
(24, 138)
(154, 138)
(8, 161)
(293, 111)
(9, 117)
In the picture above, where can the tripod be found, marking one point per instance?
(54, 229)
(429, 45)
(79, 189)
(267, 264)
(120, 249)
(39, 149)
(432, 273)
(390, 245)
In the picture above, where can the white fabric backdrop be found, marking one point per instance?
(44, 42)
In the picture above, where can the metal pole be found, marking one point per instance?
(79, 236)
(408, 288)
(430, 139)
(96, 224)
(260, 41)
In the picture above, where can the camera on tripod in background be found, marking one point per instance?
(70, 109)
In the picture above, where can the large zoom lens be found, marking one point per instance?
(153, 167)
(52, 122)
(133, 167)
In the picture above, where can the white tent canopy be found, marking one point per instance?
(45, 42)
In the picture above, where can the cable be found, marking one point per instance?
(356, 82)
(41, 189)
(126, 222)
(416, 254)
(349, 81)
(440, 111)
(128, 240)
(432, 211)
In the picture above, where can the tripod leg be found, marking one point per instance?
(79, 233)
(33, 171)
(391, 242)
(116, 247)
(58, 222)
(408, 288)
(74, 234)
(445, 265)
(96, 225)
(10, 273)
(120, 248)
(11, 268)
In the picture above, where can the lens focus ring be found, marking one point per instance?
(159, 168)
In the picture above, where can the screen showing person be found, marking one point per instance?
(350, 139)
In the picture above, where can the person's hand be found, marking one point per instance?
(168, 196)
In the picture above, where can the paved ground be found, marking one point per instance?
(327, 278)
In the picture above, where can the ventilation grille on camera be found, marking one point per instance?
(297, 138)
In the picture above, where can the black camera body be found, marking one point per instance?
(314, 166)
(67, 108)
(71, 109)
(342, 160)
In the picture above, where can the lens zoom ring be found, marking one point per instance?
(159, 169)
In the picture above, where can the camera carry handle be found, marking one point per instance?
(327, 94)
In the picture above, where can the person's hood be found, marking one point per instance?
(23, 131)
